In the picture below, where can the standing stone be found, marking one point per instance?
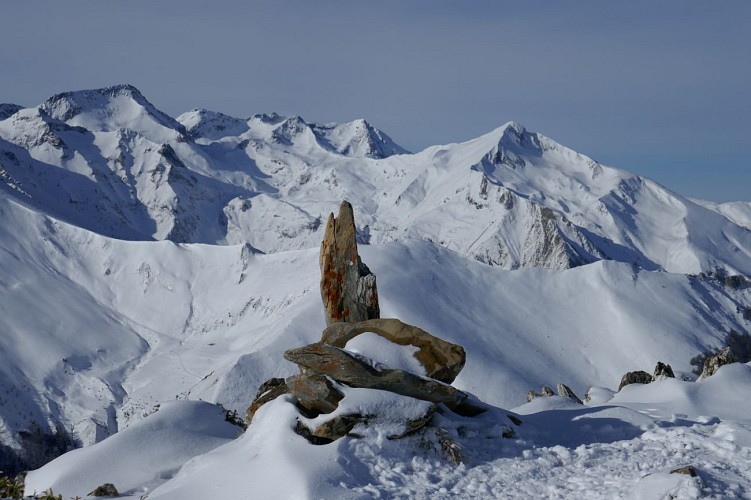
(348, 288)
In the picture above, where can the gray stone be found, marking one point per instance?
(546, 391)
(663, 370)
(356, 371)
(637, 377)
(105, 490)
(442, 360)
(532, 395)
(565, 392)
(713, 363)
(689, 470)
(348, 288)
(315, 394)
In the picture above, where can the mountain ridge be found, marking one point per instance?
(535, 202)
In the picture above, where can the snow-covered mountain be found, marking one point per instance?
(511, 198)
(145, 259)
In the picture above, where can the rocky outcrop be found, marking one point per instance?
(565, 392)
(663, 371)
(348, 288)
(442, 360)
(637, 377)
(713, 363)
(105, 490)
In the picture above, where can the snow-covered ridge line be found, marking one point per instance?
(107, 160)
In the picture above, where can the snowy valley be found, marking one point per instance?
(153, 267)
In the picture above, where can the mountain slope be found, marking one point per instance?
(211, 322)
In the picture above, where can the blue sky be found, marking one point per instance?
(657, 88)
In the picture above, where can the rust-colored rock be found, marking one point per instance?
(442, 360)
(348, 288)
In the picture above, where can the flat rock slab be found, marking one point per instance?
(356, 371)
(442, 360)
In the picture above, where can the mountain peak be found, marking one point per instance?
(213, 125)
(357, 138)
(109, 108)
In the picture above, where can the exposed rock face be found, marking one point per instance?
(532, 395)
(315, 393)
(269, 390)
(105, 490)
(637, 377)
(565, 392)
(713, 363)
(663, 370)
(355, 371)
(442, 360)
(348, 288)
(546, 391)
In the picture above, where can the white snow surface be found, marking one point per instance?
(145, 260)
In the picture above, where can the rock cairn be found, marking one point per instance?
(327, 368)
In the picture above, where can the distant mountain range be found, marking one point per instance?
(108, 161)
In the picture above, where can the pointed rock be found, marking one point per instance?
(348, 288)
(565, 392)
(663, 371)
